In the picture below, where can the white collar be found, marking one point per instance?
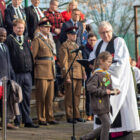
(73, 21)
(35, 7)
(16, 7)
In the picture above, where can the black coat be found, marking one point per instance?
(68, 24)
(85, 53)
(21, 59)
(32, 21)
(10, 15)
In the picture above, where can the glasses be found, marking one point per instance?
(105, 32)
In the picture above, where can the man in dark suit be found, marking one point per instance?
(22, 62)
(12, 12)
(91, 41)
(5, 67)
(33, 15)
(74, 21)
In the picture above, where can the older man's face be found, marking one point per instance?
(16, 3)
(35, 2)
(105, 33)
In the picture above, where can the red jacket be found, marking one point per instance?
(67, 15)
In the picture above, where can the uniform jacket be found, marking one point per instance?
(99, 98)
(66, 58)
(43, 69)
(68, 24)
(32, 20)
(10, 15)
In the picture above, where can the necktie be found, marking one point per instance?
(3, 48)
(38, 12)
(75, 25)
(19, 39)
(18, 13)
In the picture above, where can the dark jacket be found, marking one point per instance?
(5, 65)
(32, 21)
(68, 24)
(85, 53)
(10, 15)
(21, 58)
(99, 98)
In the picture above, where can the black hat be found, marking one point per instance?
(45, 23)
(72, 30)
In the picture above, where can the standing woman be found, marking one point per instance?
(67, 14)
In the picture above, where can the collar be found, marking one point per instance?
(73, 21)
(101, 70)
(35, 7)
(45, 37)
(16, 7)
(50, 11)
(22, 37)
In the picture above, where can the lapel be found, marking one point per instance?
(23, 13)
(14, 16)
(34, 13)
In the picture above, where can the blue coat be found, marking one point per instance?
(68, 24)
(5, 65)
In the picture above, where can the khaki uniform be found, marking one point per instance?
(44, 72)
(66, 58)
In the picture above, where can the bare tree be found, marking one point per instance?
(118, 12)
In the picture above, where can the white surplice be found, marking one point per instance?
(122, 79)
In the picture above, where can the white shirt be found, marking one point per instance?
(42, 15)
(22, 38)
(18, 12)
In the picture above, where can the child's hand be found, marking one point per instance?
(108, 91)
(115, 92)
(118, 91)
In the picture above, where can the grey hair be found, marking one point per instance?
(105, 24)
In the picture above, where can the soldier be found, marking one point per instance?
(44, 69)
(66, 58)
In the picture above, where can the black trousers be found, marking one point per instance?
(25, 81)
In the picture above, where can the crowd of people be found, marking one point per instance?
(37, 48)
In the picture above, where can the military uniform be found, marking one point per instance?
(66, 58)
(44, 72)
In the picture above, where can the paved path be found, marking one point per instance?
(63, 131)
